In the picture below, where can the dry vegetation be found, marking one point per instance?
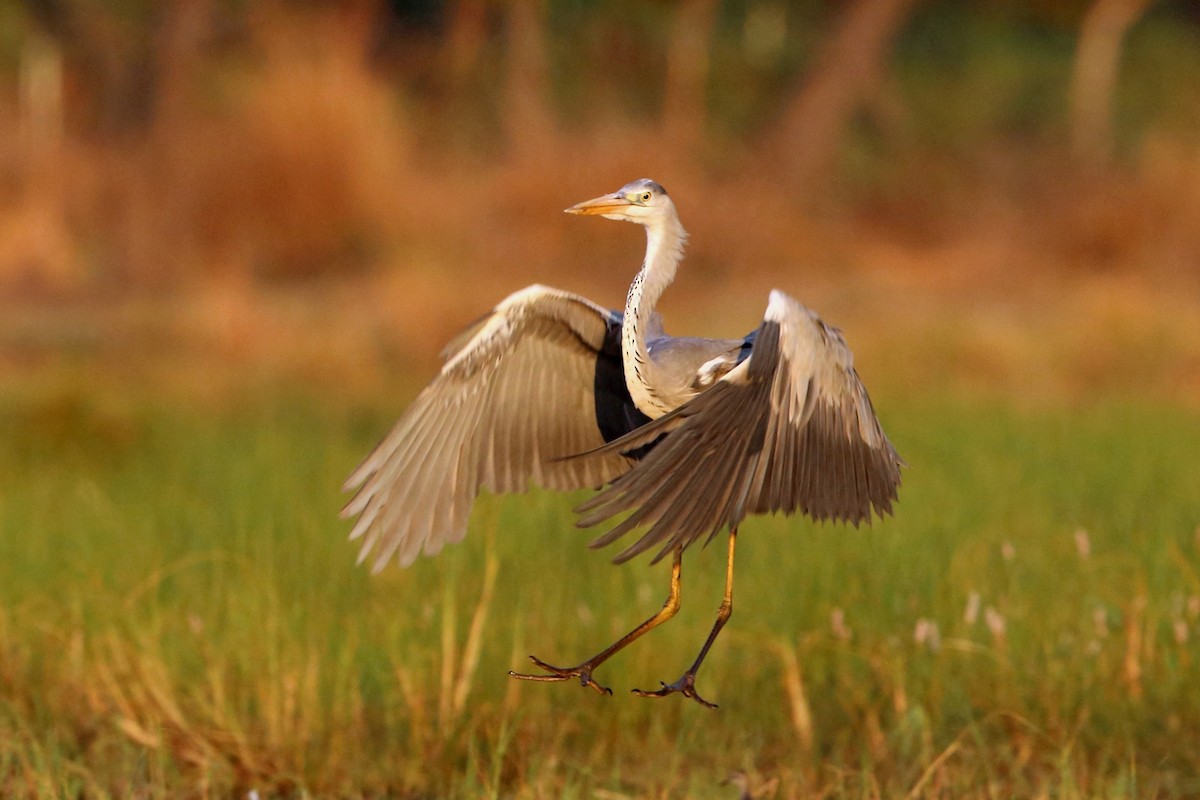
(291, 204)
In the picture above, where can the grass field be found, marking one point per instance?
(181, 616)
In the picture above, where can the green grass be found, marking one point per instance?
(180, 615)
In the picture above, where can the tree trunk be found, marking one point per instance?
(1094, 77)
(685, 101)
(465, 39)
(40, 108)
(848, 70)
(527, 120)
(178, 56)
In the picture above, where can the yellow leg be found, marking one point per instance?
(687, 683)
(583, 671)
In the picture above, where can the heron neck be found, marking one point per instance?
(664, 250)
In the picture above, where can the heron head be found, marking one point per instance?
(643, 201)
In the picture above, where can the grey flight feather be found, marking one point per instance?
(790, 428)
(515, 395)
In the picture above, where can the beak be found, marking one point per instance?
(605, 204)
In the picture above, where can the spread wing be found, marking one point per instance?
(527, 384)
(791, 427)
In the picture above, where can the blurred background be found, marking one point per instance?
(234, 236)
(985, 194)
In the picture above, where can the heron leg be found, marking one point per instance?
(583, 671)
(687, 682)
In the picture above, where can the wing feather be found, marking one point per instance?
(789, 429)
(515, 396)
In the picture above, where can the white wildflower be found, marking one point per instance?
(837, 622)
(995, 621)
(972, 612)
(1083, 543)
(927, 633)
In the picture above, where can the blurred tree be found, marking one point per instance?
(528, 122)
(849, 68)
(465, 37)
(109, 58)
(40, 102)
(1094, 76)
(178, 53)
(685, 105)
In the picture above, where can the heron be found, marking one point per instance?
(687, 436)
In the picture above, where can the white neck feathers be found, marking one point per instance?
(665, 241)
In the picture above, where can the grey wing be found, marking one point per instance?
(515, 395)
(789, 428)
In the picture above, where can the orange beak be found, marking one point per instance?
(605, 204)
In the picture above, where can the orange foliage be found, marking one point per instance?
(288, 204)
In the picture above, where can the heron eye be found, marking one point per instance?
(645, 197)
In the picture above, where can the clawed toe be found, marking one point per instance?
(582, 671)
(686, 686)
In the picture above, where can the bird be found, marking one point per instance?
(687, 436)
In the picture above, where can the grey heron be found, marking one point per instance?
(690, 435)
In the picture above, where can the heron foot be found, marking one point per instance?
(686, 686)
(582, 671)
